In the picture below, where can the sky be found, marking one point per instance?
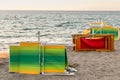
(109, 5)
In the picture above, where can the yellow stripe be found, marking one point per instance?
(28, 72)
(55, 71)
(29, 43)
(54, 46)
(94, 37)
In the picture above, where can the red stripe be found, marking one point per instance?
(89, 43)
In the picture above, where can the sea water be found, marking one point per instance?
(54, 26)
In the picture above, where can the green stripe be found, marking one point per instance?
(55, 66)
(57, 52)
(54, 59)
(29, 58)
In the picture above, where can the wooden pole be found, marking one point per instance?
(38, 36)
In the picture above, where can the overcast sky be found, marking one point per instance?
(60, 5)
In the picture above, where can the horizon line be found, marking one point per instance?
(59, 10)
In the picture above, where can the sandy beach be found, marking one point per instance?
(91, 65)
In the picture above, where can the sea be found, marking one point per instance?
(54, 26)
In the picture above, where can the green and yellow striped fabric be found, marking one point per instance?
(55, 59)
(96, 30)
(112, 31)
(14, 59)
(29, 58)
(32, 58)
(106, 30)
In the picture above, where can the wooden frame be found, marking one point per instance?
(109, 42)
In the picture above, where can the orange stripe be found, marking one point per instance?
(54, 46)
(28, 72)
(29, 43)
(57, 71)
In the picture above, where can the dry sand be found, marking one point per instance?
(90, 65)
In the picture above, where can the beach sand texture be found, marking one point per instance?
(91, 65)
